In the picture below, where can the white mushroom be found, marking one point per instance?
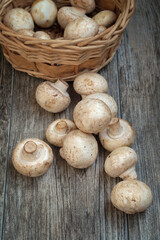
(26, 32)
(101, 29)
(131, 196)
(58, 130)
(18, 18)
(44, 13)
(121, 163)
(91, 115)
(32, 157)
(118, 133)
(79, 149)
(53, 97)
(83, 27)
(107, 99)
(68, 14)
(88, 83)
(41, 35)
(105, 18)
(88, 5)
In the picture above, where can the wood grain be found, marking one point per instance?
(5, 111)
(70, 204)
(139, 75)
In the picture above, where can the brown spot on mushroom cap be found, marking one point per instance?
(115, 136)
(89, 83)
(91, 115)
(120, 161)
(51, 97)
(79, 149)
(131, 196)
(57, 131)
(30, 161)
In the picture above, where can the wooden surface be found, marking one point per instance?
(70, 204)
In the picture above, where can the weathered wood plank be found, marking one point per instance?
(65, 203)
(5, 110)
(138, 65)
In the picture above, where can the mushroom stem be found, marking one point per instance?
(61, 127)
(61, 85)
(129, 174)
(30, 147)
(114, 127)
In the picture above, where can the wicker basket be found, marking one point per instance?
(60, 58)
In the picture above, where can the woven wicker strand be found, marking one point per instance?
(59, 58)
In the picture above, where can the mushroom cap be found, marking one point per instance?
(101, 29)
(42, 35)
(89, 83)
(52, 97)
(26, 32)
(82, 27)
(57, 131)
(119, 161)
(68, 14)
(131, 196)
(91, 115)
(124, 137)
(44, 13)
(79, 149)
(105, 18)
(32, 157)
(107, 99)
(88, 5)
(18, 18)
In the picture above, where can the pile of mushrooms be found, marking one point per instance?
(74, 20)
(94, 114)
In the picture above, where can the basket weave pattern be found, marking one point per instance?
(60, 58)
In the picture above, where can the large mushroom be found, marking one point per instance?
(79, 149)
(53, 97)
(89, 83)
(58, 130)
(91, 115)
(88, 5)
(107, 99)
(118, 133)
(32, 157)
(131, 196)
(121, 163)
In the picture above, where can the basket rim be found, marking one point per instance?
(120, 24)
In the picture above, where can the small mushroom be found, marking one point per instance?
(88, 83)
(91, 115)
(118, 133)
(79, 149)
(101, 29)
(105, 18)
(18, 18)
(26, 32)
(57, 131)
(83, 27)
(88, 5)
(131, 196)
(121, 163)
(68, 14)
(53, 97)
(32, 157)
(107, 99)
(41, 35)
(44, 13)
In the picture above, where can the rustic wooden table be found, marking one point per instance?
(70, 204)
